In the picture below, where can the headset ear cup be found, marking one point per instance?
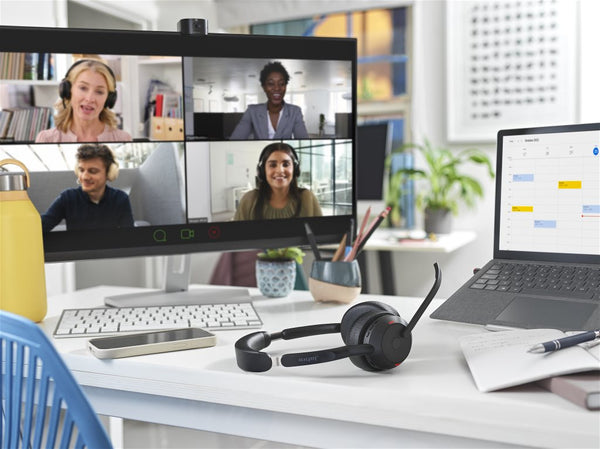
(113, 172)
(111, 100)
(385, 335)
(260, 175)
(356, 311)
(296, 162)
(64, 89)
(356, 335)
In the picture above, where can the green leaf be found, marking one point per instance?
(289, 253)
(442, 183)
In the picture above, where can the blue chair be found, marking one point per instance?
(35, 387)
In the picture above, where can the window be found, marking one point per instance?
(321, 162)
(383, 59)
(383, 91)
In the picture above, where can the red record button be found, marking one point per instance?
(214, 232)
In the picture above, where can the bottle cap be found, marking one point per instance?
(12, 181)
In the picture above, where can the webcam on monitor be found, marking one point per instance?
(193, 26)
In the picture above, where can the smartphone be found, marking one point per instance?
(150, 342)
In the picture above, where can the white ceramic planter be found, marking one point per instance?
(275, 278)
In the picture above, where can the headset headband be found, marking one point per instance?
(247, 348)
(283, 147)
(84, 60)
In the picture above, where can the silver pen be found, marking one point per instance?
(565, 342)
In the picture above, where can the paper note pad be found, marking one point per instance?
(500, 359)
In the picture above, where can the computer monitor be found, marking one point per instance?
(183, 188)
(373, 143)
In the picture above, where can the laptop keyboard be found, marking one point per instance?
(545, 280)
(115, 320)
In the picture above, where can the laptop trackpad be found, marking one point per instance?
(531, 312)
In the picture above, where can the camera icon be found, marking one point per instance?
(186, 234)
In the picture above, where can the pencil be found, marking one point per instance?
(349, 237)
(312, 241)
(372, 228)
(350, 256)
(339, 252)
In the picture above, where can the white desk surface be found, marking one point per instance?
(388, 239)
(430, 400)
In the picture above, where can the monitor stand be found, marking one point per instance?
(176, 290)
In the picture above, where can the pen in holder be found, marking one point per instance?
(334, 281)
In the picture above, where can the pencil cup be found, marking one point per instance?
(334, 281)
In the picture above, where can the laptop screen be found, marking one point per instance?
(548, 193)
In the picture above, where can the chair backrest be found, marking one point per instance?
(36, 388)
(157, 194)
(238, 268)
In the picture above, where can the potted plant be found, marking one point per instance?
(445, 183)
(276, 270)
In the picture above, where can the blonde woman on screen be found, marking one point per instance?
(87, 95)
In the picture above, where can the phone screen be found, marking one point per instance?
(123, 341)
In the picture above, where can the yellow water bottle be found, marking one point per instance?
(22, 275)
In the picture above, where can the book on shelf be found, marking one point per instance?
(501, 359)
(23, 124)
(5, 118)
(26, 66)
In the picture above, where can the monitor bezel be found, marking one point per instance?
(217, 236)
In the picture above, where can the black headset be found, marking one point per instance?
(376, 338)
(260, 167)
(64, 88)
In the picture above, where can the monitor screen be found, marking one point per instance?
(373, 143)
(200, 136)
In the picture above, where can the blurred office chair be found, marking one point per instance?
(35, 383)
(238, 268)
(156, 194)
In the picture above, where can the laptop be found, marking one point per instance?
(546, 267)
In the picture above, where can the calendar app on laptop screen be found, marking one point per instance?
(550, 200)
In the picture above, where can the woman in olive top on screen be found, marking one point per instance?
(274, 119)
(87, 93)
(277, 194)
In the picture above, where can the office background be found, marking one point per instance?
(428, 112)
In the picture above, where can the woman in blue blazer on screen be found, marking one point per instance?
(274, 119)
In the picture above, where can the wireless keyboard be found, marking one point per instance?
(111, 320)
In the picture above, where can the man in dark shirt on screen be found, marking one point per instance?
(93, 204)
